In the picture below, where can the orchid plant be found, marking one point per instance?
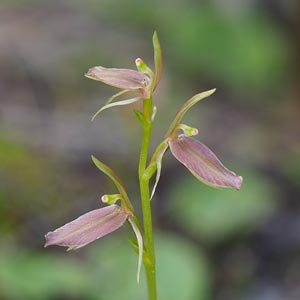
(194, 155)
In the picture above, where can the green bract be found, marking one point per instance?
(187, 105)
(116, 180)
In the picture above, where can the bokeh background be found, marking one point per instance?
(211, 244)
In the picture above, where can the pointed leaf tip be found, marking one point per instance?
(116, 180)
(157, 59)
(185, 107)
(108, 172)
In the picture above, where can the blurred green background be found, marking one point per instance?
(211, 244)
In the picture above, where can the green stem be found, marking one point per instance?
(149, 257)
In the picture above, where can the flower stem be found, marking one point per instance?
(149, 256)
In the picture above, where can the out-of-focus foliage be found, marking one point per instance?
(33, 275)
(106, 271)
(23, 182)
(216, 215)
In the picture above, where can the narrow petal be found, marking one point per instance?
(159, 158)
(118, 103)
(88, 227)
(139, 239)
(120, 78)
(117, 95)
(203, 163)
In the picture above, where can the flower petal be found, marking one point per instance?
(203, 163)
(139, 239)
(113, 97)
(118, 103)
(159, 158)
(120, 78)
(88, 227)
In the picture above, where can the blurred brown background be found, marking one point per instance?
(211, 244)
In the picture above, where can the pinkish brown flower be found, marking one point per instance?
(120, 78)
(203, 163)
(135, 82)
(88, 227)
(140, 83)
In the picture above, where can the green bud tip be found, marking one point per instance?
(111, 199)
(190, 131)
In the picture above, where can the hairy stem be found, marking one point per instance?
(149, 257)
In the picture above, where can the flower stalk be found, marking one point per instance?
(149, 262)
(191, 153)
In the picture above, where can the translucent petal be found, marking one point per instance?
(158, 167)
(117, 95)
(203, 163)
(139, 239)
(118, 103)
(88, 227)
